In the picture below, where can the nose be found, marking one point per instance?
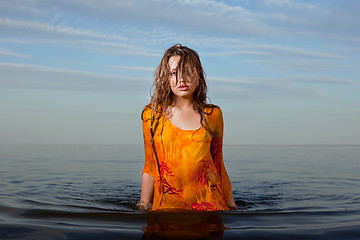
(180, 81)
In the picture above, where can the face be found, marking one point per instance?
(183, 87)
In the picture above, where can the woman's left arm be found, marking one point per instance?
(217, 154)
(230, 202)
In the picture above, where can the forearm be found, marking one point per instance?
(147, 189)
(230, 202)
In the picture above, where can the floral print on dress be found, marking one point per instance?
(165, 187)
(168, 188)
(216, 151)
(165, 170)
(191, 172)
(204, 206)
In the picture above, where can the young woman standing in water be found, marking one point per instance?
(184, 166)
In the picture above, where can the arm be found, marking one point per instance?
(230, 202)
(148, 181)
(217, 154)
(147, 191)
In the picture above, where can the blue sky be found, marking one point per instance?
(283, 72)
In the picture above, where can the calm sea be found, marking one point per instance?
(90, 191)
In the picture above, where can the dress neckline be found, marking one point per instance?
(185, 130)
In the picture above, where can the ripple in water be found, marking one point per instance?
(87, 192)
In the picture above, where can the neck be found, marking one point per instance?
(182, 103)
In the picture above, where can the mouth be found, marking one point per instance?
(182, 88)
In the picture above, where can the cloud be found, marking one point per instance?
(39, 77)
(239, 80)
(201, 16)
(56, 34)
(276, 49)
(262, 50)
(28, 76)
(11, 27)
(325, 80)
(261, 89)
(297, 65)
(134, 68)
(277, 3)
(116, 48)
(238, 52)
(275, 19)
(201, 23)
(330, 20)
(10, 53)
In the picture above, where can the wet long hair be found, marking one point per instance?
(189, 68)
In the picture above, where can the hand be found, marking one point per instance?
(234, 207)
(143, 206)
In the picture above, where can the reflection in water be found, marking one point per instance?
(183, 225)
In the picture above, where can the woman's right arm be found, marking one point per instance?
(148, 181)
(147, 189)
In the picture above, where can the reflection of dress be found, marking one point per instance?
(183, 225)
(191, 164)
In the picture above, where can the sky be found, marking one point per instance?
(80, 72)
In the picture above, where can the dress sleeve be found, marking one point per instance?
(217, 154)
(150, 166)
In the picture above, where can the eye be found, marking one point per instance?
(173, 73)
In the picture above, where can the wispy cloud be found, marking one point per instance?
(325, 80)
(201, 23)
(10, 53)
(39, 77)
(17, 27)
(330, 20)
(296, 51)
(202, 15)
(272, 51)
(37, 32)
(276, 19)
(134, 68)
(296, 65)
(117, 48)
(238, 80)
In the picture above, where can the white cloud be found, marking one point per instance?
(116, 48)
(297, 51)
(297, 65)
(284, 19)
(330, 20)
(277, 3)
(195, 22)
(134, 68)
(239, 80)
(272, 51)
(11, 27)
(26, 76)
(325, 80)
(39, 77)
(201, 16)
(10, 53)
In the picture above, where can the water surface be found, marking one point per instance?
(90, 192)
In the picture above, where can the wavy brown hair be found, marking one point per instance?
(189, 67)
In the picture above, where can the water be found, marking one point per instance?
(90, 192)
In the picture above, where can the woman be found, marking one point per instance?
(184, 166)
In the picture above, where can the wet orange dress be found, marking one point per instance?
(191, 172)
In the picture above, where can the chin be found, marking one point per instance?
(183, 94)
